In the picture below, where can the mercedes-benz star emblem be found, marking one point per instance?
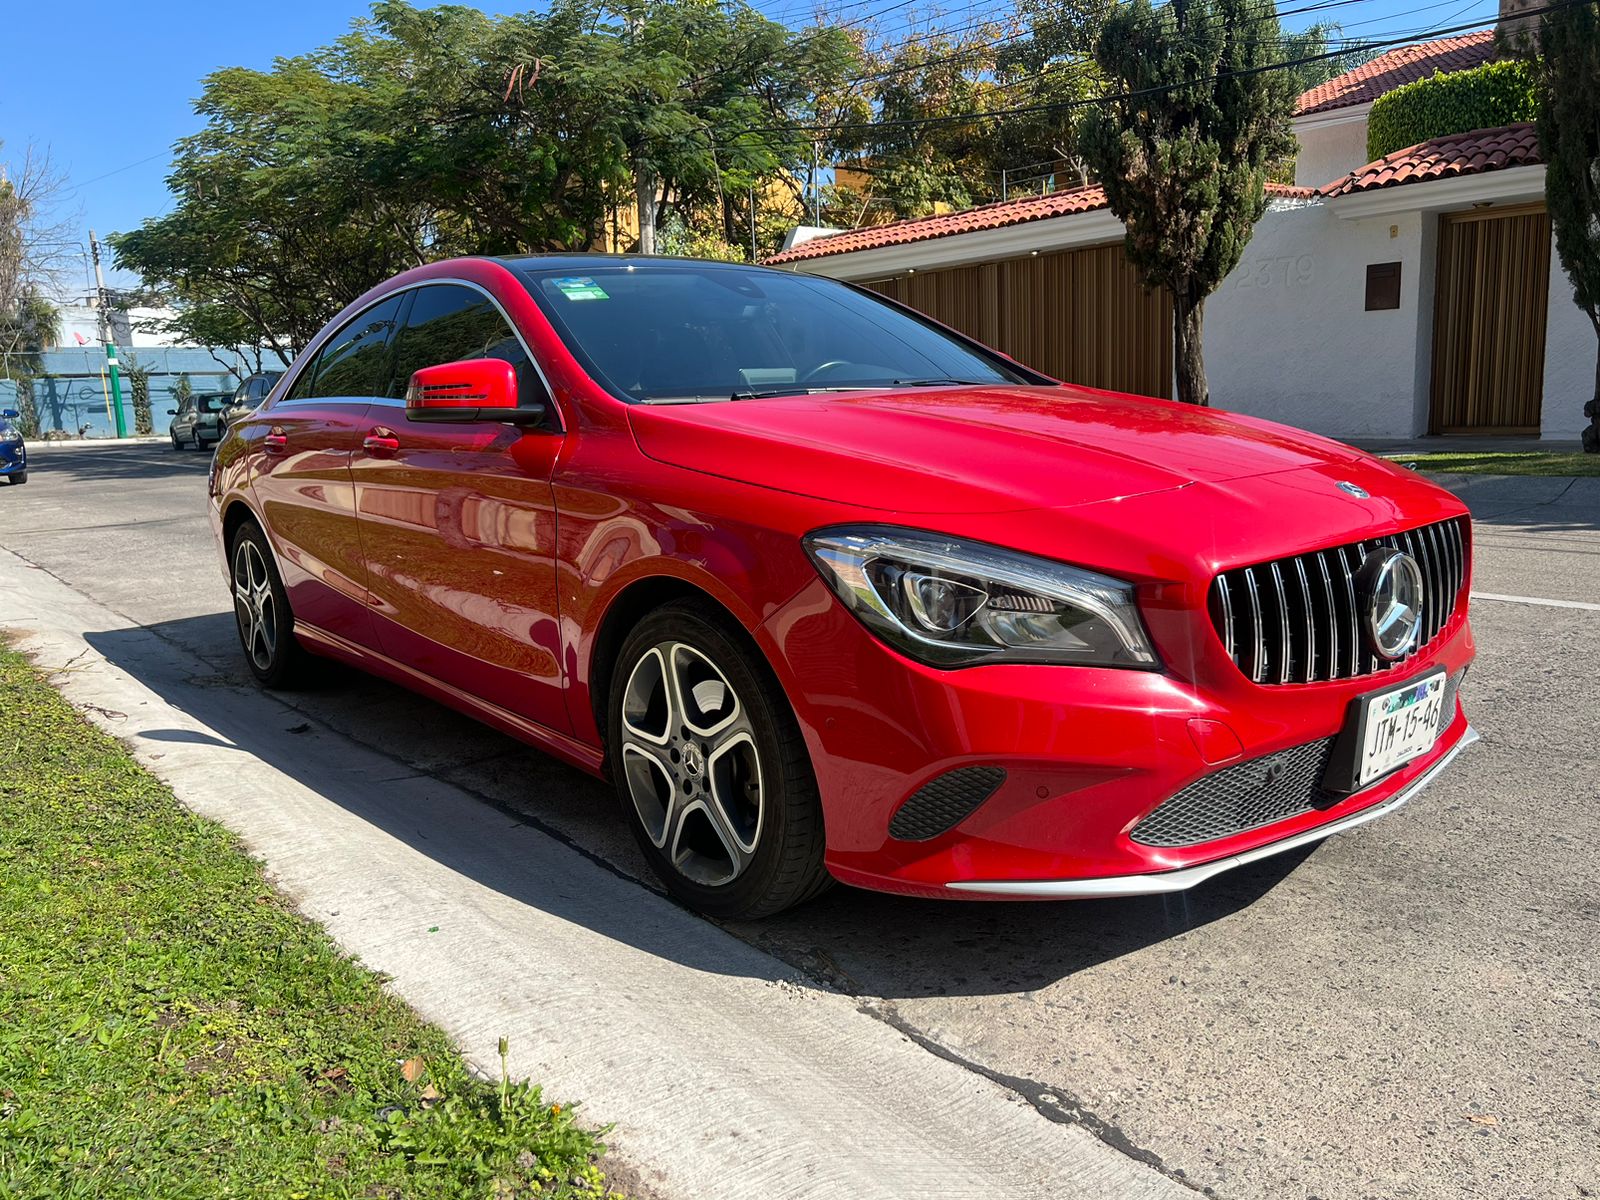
(1391, 583)
(1354, 489)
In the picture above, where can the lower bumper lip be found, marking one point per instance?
(1177, 881)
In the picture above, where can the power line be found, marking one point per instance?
(1061, 106)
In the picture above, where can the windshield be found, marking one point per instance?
(676, 332)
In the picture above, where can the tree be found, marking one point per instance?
(138, 377)
(1565, 69)
(35, 244)
(1184, 144)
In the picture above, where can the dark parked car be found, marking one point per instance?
(197, 421)
(13, 451)
(247, 397)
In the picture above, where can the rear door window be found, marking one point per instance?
(354, 362)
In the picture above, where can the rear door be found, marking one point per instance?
(458, 520)
(302, 447)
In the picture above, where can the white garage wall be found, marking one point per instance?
(1287, 336)
(1569, 357)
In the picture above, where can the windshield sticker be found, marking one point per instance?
(580, 287)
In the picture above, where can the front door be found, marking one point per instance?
(1491, 295)
(459, 523)
(301, 448)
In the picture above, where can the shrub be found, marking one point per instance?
(1497, 93)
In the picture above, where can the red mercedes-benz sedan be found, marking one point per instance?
(829, 591)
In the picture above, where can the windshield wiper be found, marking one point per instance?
(769, 393)
(937, 382)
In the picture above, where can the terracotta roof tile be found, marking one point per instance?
(1445, 157)
(1404, 64)
(972, 220)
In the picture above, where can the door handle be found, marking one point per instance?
(381, 445)
(275, 443)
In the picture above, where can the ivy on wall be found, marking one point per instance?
(1497, 93)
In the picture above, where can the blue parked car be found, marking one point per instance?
(13, 452)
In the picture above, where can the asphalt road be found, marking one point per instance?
(1410, 1010)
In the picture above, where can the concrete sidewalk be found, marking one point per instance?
(726, 1073)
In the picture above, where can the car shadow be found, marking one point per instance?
(858, 942)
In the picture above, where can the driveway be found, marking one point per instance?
(1410, 1010)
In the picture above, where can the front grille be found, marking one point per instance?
(1300, 620)
(1245, 796)
(943, 803)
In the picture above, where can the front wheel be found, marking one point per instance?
(261, 610)
(18, 477)
(711, 767)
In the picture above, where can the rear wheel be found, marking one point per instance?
(713, 773)
(197, 443)
(261, 611)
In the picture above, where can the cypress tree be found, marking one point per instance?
(1567, 74)
(1183, 143)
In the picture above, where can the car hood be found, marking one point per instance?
(974, 449)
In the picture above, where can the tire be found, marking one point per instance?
(197, 442)
(717, 844)
(18, 479)
(176, 444)
(271, 652)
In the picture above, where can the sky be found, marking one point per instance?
(108, 88)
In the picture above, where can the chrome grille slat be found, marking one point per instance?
(1225, 597)
(1333, 617)
(1258, 661)
(1298, 619)
(1282, 596)
(1310, 624)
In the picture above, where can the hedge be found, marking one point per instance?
(1497, 93)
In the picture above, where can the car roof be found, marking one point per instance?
(578, 262)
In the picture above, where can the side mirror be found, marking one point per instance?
(10, 414)
(172, 412)
(474, 389)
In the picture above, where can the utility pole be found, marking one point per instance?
(816, 187)
(106, 336)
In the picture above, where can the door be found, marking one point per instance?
(458, 520)
(301, 448)
(1491, 296)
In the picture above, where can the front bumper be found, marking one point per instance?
(1182, 880)
(1087, 754)
(13, 459)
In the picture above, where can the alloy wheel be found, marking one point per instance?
(690, 763)
(254, 605)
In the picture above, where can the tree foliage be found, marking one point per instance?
(428, 133)
(1566, 71)
(1183, 144)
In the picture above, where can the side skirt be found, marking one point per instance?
(568, 749)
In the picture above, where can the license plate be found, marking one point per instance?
(1399, 725)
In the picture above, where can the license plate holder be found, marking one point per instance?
(1386, 729)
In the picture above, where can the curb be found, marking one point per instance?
(726, 1074)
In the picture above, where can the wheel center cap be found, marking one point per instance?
(693, 761)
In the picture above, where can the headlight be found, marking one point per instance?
(949, 602)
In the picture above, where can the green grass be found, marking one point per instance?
(1503, 463)
(170, 1029)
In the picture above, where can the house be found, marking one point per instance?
(1418, 294)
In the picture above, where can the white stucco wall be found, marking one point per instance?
(1330, 151)
(1569, 357)
(1288, 337)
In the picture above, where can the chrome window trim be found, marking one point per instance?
(292, 377)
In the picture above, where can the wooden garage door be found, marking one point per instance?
(1490, 302)
(1079, 315)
